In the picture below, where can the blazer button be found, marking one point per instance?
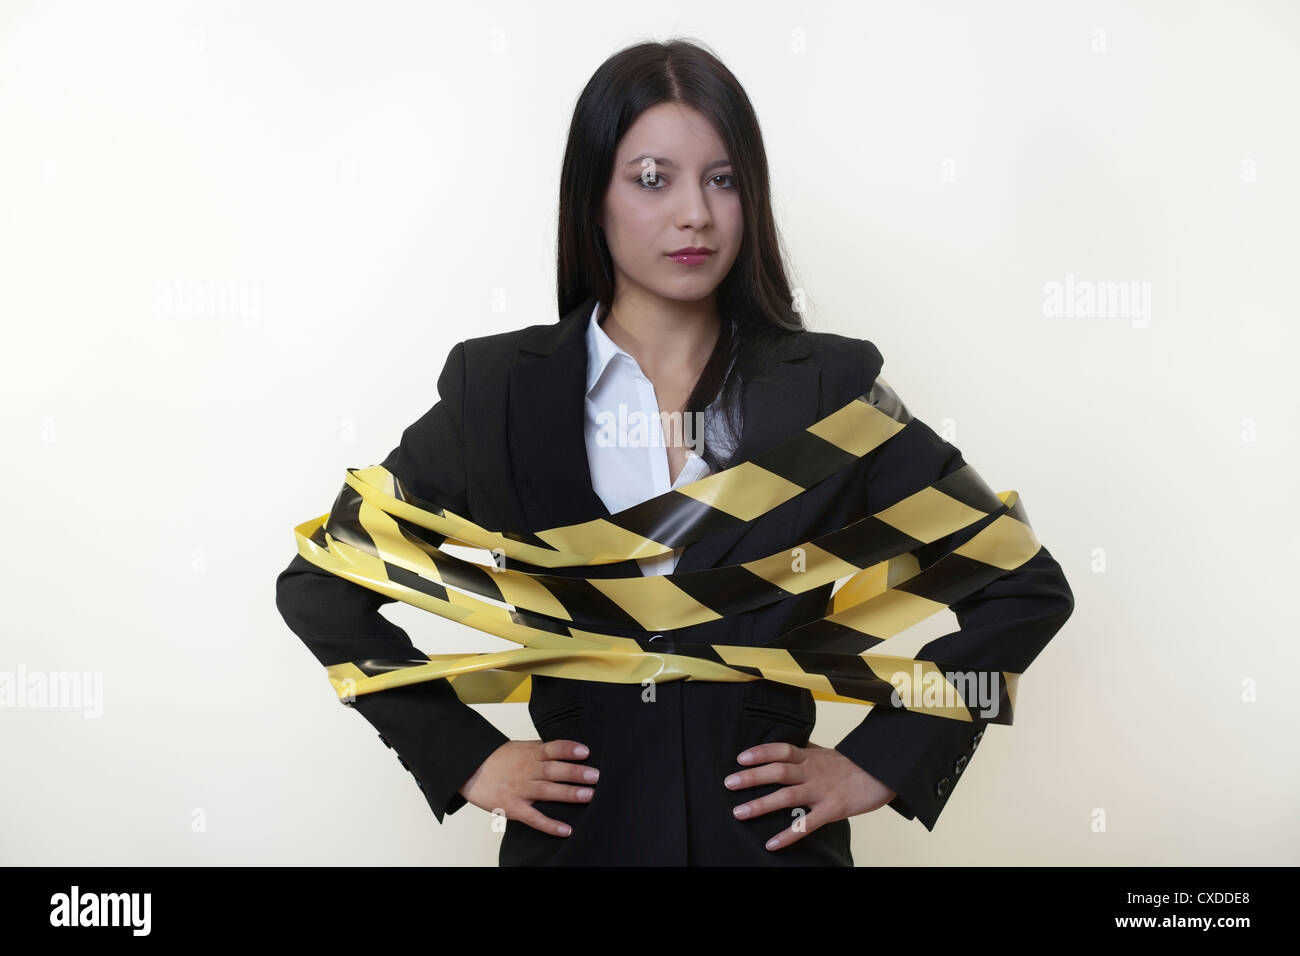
(975, 740)
(942, 786)
(663, 643)
(960, 765)
(403, 763)
(385, 740)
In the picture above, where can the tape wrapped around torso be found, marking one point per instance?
(378, 535)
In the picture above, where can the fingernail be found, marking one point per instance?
(584, 793)
(773, 843)
(582, 751)
(591, 776)
(732, 780)
(565, 829)
(745, 757)
(742, 810)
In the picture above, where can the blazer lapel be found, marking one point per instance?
(548, 388)
(552, 474)
(774, 407)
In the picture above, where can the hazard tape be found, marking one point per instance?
(382, 537)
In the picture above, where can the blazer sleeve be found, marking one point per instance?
(1003, 626)
(436, 736)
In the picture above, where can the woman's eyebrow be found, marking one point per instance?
(663, 161)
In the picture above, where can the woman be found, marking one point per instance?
(673, 298)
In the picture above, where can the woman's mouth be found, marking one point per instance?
(691, 255)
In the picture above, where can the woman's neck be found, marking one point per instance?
(671, 341)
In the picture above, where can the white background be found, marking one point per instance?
(237, 241)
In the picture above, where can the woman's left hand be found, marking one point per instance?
(831, 785)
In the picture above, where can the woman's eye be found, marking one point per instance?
(651, 181)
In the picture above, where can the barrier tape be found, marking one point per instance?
(382, 537)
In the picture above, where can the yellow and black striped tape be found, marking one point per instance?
(381, 537)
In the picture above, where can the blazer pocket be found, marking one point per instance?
(566, 711)
(554, 699)
(782, 702)
(770, 712)
(759, 724)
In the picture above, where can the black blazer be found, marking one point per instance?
(505, 447)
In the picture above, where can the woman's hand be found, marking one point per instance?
(521, 771)
(831, 785)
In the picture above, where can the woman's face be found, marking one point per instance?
(672, 188)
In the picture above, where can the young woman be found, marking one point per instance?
(673, 299)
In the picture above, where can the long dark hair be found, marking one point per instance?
(756, 292)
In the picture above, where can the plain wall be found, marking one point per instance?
(238, 240)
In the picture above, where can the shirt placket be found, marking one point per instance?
(654, 453)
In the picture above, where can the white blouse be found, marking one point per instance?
(624, 433)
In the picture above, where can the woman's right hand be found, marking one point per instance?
(521, 771)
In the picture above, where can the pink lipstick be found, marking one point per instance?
(691, 255)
